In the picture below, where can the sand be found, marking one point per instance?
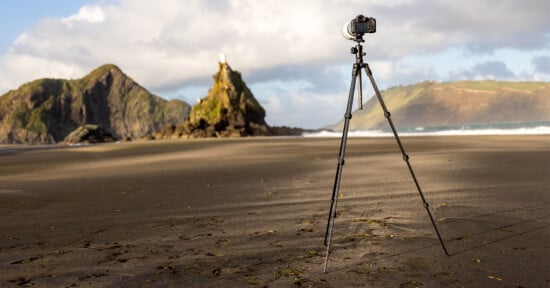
(252, 213)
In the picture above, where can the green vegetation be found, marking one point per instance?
(208, 109)
(456, 103)
(491, 85)
(102, 70)
(39, 118)
(46, 110)
(396, 98)
(229, 109)
(19, 117)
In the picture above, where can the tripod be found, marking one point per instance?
(356, 74)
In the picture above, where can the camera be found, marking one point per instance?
(355, 28)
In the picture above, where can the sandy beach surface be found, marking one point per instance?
(252, 213)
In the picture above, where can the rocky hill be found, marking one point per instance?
(229, 110)
(47, 110)
(456, 103)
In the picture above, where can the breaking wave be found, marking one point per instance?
(539, 128)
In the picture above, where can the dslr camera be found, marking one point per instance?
(355, 28)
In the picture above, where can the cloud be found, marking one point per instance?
(289, 103)
(178, 41)
(320, 78)
(487, 70)
(167, 45)
(542, 64)
(91, 14)
(394, 73)
(482, 26)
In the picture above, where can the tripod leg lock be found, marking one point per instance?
(341, 161)
(367, 69)
(405, 157)
(426, 205)
(387, 114)
(347, 116)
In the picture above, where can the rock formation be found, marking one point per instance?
(47, 110)
(89, 134)
(229, 110)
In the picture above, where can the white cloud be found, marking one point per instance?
(88, 13)
(286, 107)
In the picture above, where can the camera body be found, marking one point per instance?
(362, 24)
(354, 29)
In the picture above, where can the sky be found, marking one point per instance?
(291, 54)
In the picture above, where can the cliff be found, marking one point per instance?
(45, 111)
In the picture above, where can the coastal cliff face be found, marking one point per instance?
(45, 111)
(429, 104)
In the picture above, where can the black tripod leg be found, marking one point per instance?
(405, 156)
(360, 90)
(336, 188)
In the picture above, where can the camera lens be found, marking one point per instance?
(347, 31)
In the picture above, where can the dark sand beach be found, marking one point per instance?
(252, 213)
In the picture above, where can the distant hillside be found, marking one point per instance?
(456, 103)
(47, 110)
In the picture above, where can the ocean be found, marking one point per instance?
(531, 128)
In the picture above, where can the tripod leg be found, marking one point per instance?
(336, 188)
(360, 91)
(405, 156)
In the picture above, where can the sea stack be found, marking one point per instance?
(229, 110)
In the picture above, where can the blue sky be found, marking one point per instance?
(290, 53)
(18, 16)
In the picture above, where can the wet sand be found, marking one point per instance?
(252, 213)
